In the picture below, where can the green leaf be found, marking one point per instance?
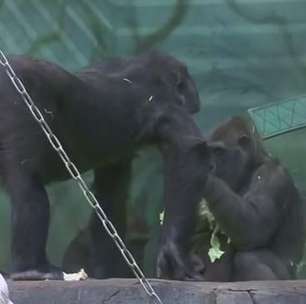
(161, 217)
(215, 253)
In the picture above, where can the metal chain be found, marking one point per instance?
(75, 174)
(3, 298)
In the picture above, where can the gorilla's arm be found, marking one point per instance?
(251, 219)
(182, 150)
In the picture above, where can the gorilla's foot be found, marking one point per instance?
(48, 272)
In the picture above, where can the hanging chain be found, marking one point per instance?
(75, 174)
(4, 299)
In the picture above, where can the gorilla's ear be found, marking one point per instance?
(178, 78)
(244, 141)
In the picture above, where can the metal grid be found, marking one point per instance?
(279, 118)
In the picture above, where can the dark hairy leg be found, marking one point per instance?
(259, 265)
(111, 186)
(30, 223)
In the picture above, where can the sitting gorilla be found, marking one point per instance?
(253, 208)
(102, 115)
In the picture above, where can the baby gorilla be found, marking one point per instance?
(256, 207)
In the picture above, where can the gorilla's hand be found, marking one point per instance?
(173, 263)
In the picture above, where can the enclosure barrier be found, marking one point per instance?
(119, 291)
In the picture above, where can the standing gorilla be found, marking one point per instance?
(102, 115)
(255, 204)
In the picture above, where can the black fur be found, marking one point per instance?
(256, 204)
(102, 115)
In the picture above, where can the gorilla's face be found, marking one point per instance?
(230, 163)
(232, 153)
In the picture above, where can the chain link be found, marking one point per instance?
(4, 299)
(75, 174)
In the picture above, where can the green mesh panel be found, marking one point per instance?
(279, 118)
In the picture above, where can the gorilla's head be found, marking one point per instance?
(167, 80)
(236, 150)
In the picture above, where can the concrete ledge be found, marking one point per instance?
(119, 291)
